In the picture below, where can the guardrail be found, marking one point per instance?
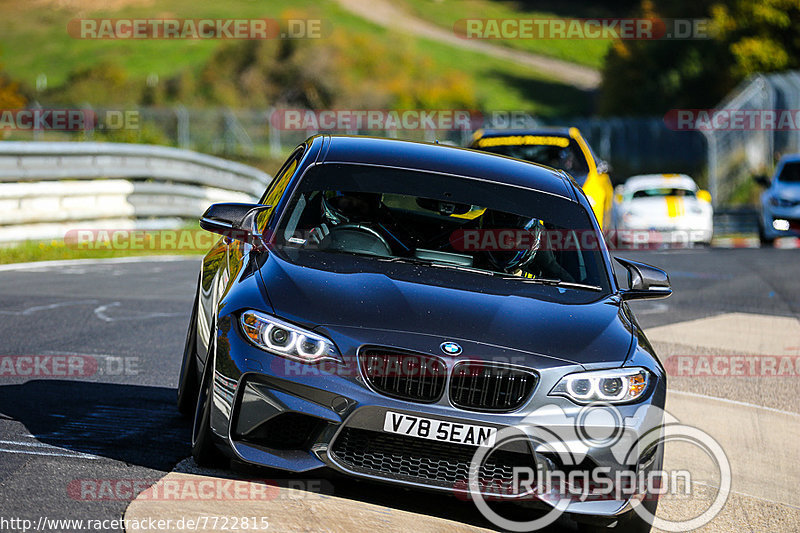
(48, 188)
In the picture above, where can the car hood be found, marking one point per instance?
(331, 291)
(787, 190)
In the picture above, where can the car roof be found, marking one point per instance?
(444, 159)
(545, 130)
(645, 181)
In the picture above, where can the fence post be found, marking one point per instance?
(274, 134)
(713, 171)
(184, 135)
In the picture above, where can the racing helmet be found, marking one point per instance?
(350, 207)
(523, 252)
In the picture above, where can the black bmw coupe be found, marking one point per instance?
(427, 316)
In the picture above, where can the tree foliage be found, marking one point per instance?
(746, 37)
(345, 70)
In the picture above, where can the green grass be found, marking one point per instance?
(56, 250)
(445, 13)
(34, 40)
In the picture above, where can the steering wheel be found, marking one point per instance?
(357, 238)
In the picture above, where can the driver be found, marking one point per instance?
(364, 209)
(353, 208)
(534, 260)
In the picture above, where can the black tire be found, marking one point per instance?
(631, 522)
(766, 242)
(188, 386)
(204, 450)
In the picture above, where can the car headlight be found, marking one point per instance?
(619, 385)
(287, 340)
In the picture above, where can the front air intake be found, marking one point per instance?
(404, 375)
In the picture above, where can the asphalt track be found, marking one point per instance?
(115, 419)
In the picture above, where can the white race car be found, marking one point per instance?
(670, 204)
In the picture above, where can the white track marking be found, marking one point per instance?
(41, 448)
(101, 313)
(737, 333)
(76, 455)
(37, 308)
(761, 444)
(745, 494)
(734, 402)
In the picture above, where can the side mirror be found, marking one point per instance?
(644, 281)
(762, 180)
(235, 221)
(704, 195)
(603, 167)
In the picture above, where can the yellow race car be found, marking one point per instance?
(563, 148)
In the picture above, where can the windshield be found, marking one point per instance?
(660, 192)
(444, 222)
(790, 172)
(561, 153)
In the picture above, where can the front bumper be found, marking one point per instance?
(306, 419)
(665, 233)
(789, 214)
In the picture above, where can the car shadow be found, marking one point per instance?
(136, 424)
(435, 504)
(140, 425)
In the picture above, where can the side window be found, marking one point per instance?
(275, 190)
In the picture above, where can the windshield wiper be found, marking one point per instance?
(556, 283)
(450, 266)
(438, 264)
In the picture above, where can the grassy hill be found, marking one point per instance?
(34, 41)
(445, 13)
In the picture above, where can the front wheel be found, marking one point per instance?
(188, 387)
(766, 242)
(629, 523)
(204, 451)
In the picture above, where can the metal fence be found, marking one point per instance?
(630, 145)
(736, 154)
(50, 188)
(643, 145)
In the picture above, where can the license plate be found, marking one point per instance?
(441, 430)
